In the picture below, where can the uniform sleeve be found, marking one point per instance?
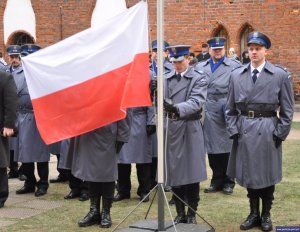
(10, 102)
(286, 101)
(124, 127)
(195, 100)
(231, 113)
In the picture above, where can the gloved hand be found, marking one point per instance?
(235, 138)
(150, 129)
(277, 141)
(170, 108)
(153, 86)
(119, 145)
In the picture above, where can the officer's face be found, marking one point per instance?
(217, 54)
(257, 54)
(181, 66)
(14, 60)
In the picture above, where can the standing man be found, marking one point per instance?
(29, 149)
(8, 106)
(217, 142)
(185, 93)
(256, 93)
(137, 151)
(95, 160)
(204, 55)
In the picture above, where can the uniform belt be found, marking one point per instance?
(216, 96)
(258, 114)
(195, 116)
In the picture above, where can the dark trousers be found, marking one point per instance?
(43, 172)
(77, 184)
(13, 166)
(101, 189)
(3, 185)
(188, 193)
(63, 173)
(143, 175)
(218, 163)
(153, 181)
(264, 193)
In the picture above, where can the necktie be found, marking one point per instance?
(254, 76)
(178, 77)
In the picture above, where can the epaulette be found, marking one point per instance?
(284, 69)
(238, 67)
(198, 71)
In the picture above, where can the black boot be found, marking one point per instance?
(105, 215)
(254, 218)
(191, 215)
(180, 218)
(93, 217)
(266, 223)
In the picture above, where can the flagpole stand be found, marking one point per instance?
(161, 224)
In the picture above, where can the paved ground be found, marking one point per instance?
(19, 207)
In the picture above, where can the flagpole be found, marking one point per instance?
(160, 128)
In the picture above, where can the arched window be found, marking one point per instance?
(244, 33)
(21, 38)
(222, 32)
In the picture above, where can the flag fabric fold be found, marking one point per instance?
(89, 79)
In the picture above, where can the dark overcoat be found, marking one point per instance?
(8, 106)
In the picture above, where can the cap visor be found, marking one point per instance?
(217, 47)
(180, 58)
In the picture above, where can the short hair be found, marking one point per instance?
(204, 45)
(192, 54)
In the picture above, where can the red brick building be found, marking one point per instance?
(186, 21)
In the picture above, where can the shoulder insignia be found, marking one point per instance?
(284, 69)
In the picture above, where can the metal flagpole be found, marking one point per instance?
(160, 128)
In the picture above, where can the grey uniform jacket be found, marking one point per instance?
(8, 106)
(94, 153)
(215, 133)
(185, 157)
(29, 146)
(138, 148)
(255, 162)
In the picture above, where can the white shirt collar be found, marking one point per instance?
(259, 68)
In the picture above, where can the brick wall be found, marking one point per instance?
(187, 21)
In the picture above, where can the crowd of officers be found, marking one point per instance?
(236, 114)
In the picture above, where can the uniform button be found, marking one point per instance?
(259, 133)
(245, 132)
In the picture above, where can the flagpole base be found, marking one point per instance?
(151, 225)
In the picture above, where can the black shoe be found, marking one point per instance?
(22, 177)
(167, 188)
(1, 204)
(251, 221)
(13, 174)
(72, 194)
(40, 192)
(191, 220)
(25, 189)
(227, 190)
(180, 219)
(142, 196)
(105, 219)
(120, 197)
(84, 197)
(212, 189)
(59, 179)
(266, 223)
(92, 218)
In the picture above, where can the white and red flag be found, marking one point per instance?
(89, 79)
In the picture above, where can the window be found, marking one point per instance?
(244, 34)
(21, 38)
(222, 32)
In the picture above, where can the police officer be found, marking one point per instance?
(256, 93)
(95, 160)
(8, 106)
(217, 142)
(29, 149)
(185, 93)
(137, 151)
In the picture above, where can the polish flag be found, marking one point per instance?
(89, 79)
